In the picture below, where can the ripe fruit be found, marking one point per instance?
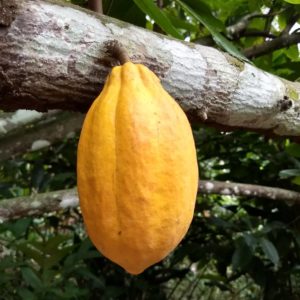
(137, 170)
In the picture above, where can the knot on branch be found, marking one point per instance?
(285, 104)
(117, 51)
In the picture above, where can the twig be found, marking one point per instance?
(283, 40)
(40, 204)
(297, 30)
(269, 20)
(237, 29)
(291, 22)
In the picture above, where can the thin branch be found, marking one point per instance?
(282, 41)
(40, 204)
(209, 41)
(270, 19)
(291, 22)
(258, 33)
(297, 30)
(96, 6)
(160, 3)
(240, 26)
(236, 30)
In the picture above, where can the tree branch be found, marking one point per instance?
(248, 190)
(282, 41)
(258, 33)
(209, 41)
(53, 56)
(14, 121)
(39, 134)
(236, 30)
(39, 204)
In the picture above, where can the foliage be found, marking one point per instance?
(236, 248)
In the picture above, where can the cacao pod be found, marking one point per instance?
(137, 170)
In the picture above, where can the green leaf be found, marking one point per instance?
(113, 292)
(241, 257)
(180, 23)
(296, 180)
(251, 241)
(19, 227)
(293, 1)
(31, 278)
(38, 176)
(275, 225)
(125, 10)
(296, 236)
(85, 251)
(217, 36)
(98, 281)
(203, 9)
(213, 277)
(293, 150)
(7, 262)
(31, 252)
(56, 257)
(293, 53)
(52, 244)
(150, 9)
(26, 294)
(289, 173)
(269, 250)
(258, 272)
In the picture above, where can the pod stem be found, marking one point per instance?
(116, 49)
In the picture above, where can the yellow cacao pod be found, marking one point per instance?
(137, 170)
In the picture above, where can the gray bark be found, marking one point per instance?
(11, 122)
(52, 55)
(39, 204)
(39, 134)
(248, 190)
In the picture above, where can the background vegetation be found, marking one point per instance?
(236, 248)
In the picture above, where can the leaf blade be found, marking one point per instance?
(217, 36)
(269, 250)
(150, 9)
